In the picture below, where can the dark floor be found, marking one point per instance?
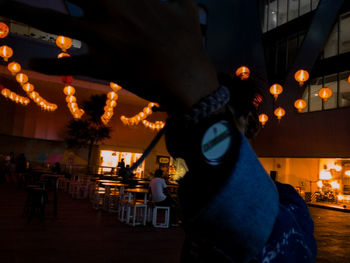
(332, 232)
(81, 234)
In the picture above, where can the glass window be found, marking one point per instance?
(293, 9)
(281, 56)
(314, 4)
(331, 47)
(292, 49)
(315, 101)
(344, 89)
(345, 33)
(272, 14)
(305, 6)
(306, 98)
(331, 82)
(265, 16)
(282, 11)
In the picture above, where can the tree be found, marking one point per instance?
(88, 130)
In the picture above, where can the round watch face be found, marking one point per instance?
(216, 142)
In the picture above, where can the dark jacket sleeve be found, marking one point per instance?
(292, 238)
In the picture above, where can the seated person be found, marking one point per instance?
(160, 194)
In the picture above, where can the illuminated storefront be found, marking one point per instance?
(109, 161)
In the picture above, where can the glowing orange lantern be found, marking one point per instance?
(114, 86)
(63, 55)
(349, 79)
(263, 118)
(111, 103)
(63, 43)
(301, 76)
(325, 94)
(6, 52)
(147, 111)
(300, 105)
(22, 78)
(4, 30)
(5, 92)
(14, 67)
(71, 99)
(34, 95)
(275, 90)
(69, 90)
(28, 87)
(243, 73)
(112, 95)
(279, 113)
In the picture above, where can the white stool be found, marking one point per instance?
(165, 223)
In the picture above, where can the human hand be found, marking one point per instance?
(149, 47)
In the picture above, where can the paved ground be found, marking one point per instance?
(81, 234)
(332, 232)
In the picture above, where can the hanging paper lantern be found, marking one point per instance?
(147, 110)
(301, 76)
(6, 52)
(243, 73)
(275, 90)
(4, 30)
(112, 95)
(5, 92)
(279, 113)
(349, 79)
(114, 86)
(71, 99)
(14, 67)
(69, 90)
(263, 118)
(111, 103)
(28, 87)
(22, 78)
(33, 95)
(300, 105)
(63, 43)
(67, 79)
(63, 55)
(325, 93)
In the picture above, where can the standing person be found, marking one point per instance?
(160, 194)
(233, 212)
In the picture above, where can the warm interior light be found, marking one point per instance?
(320, 184)
(6, 52)
(347, 172)
(335, 185)
(325, 175)
(340, 197)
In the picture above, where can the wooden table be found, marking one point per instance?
(136, 191)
